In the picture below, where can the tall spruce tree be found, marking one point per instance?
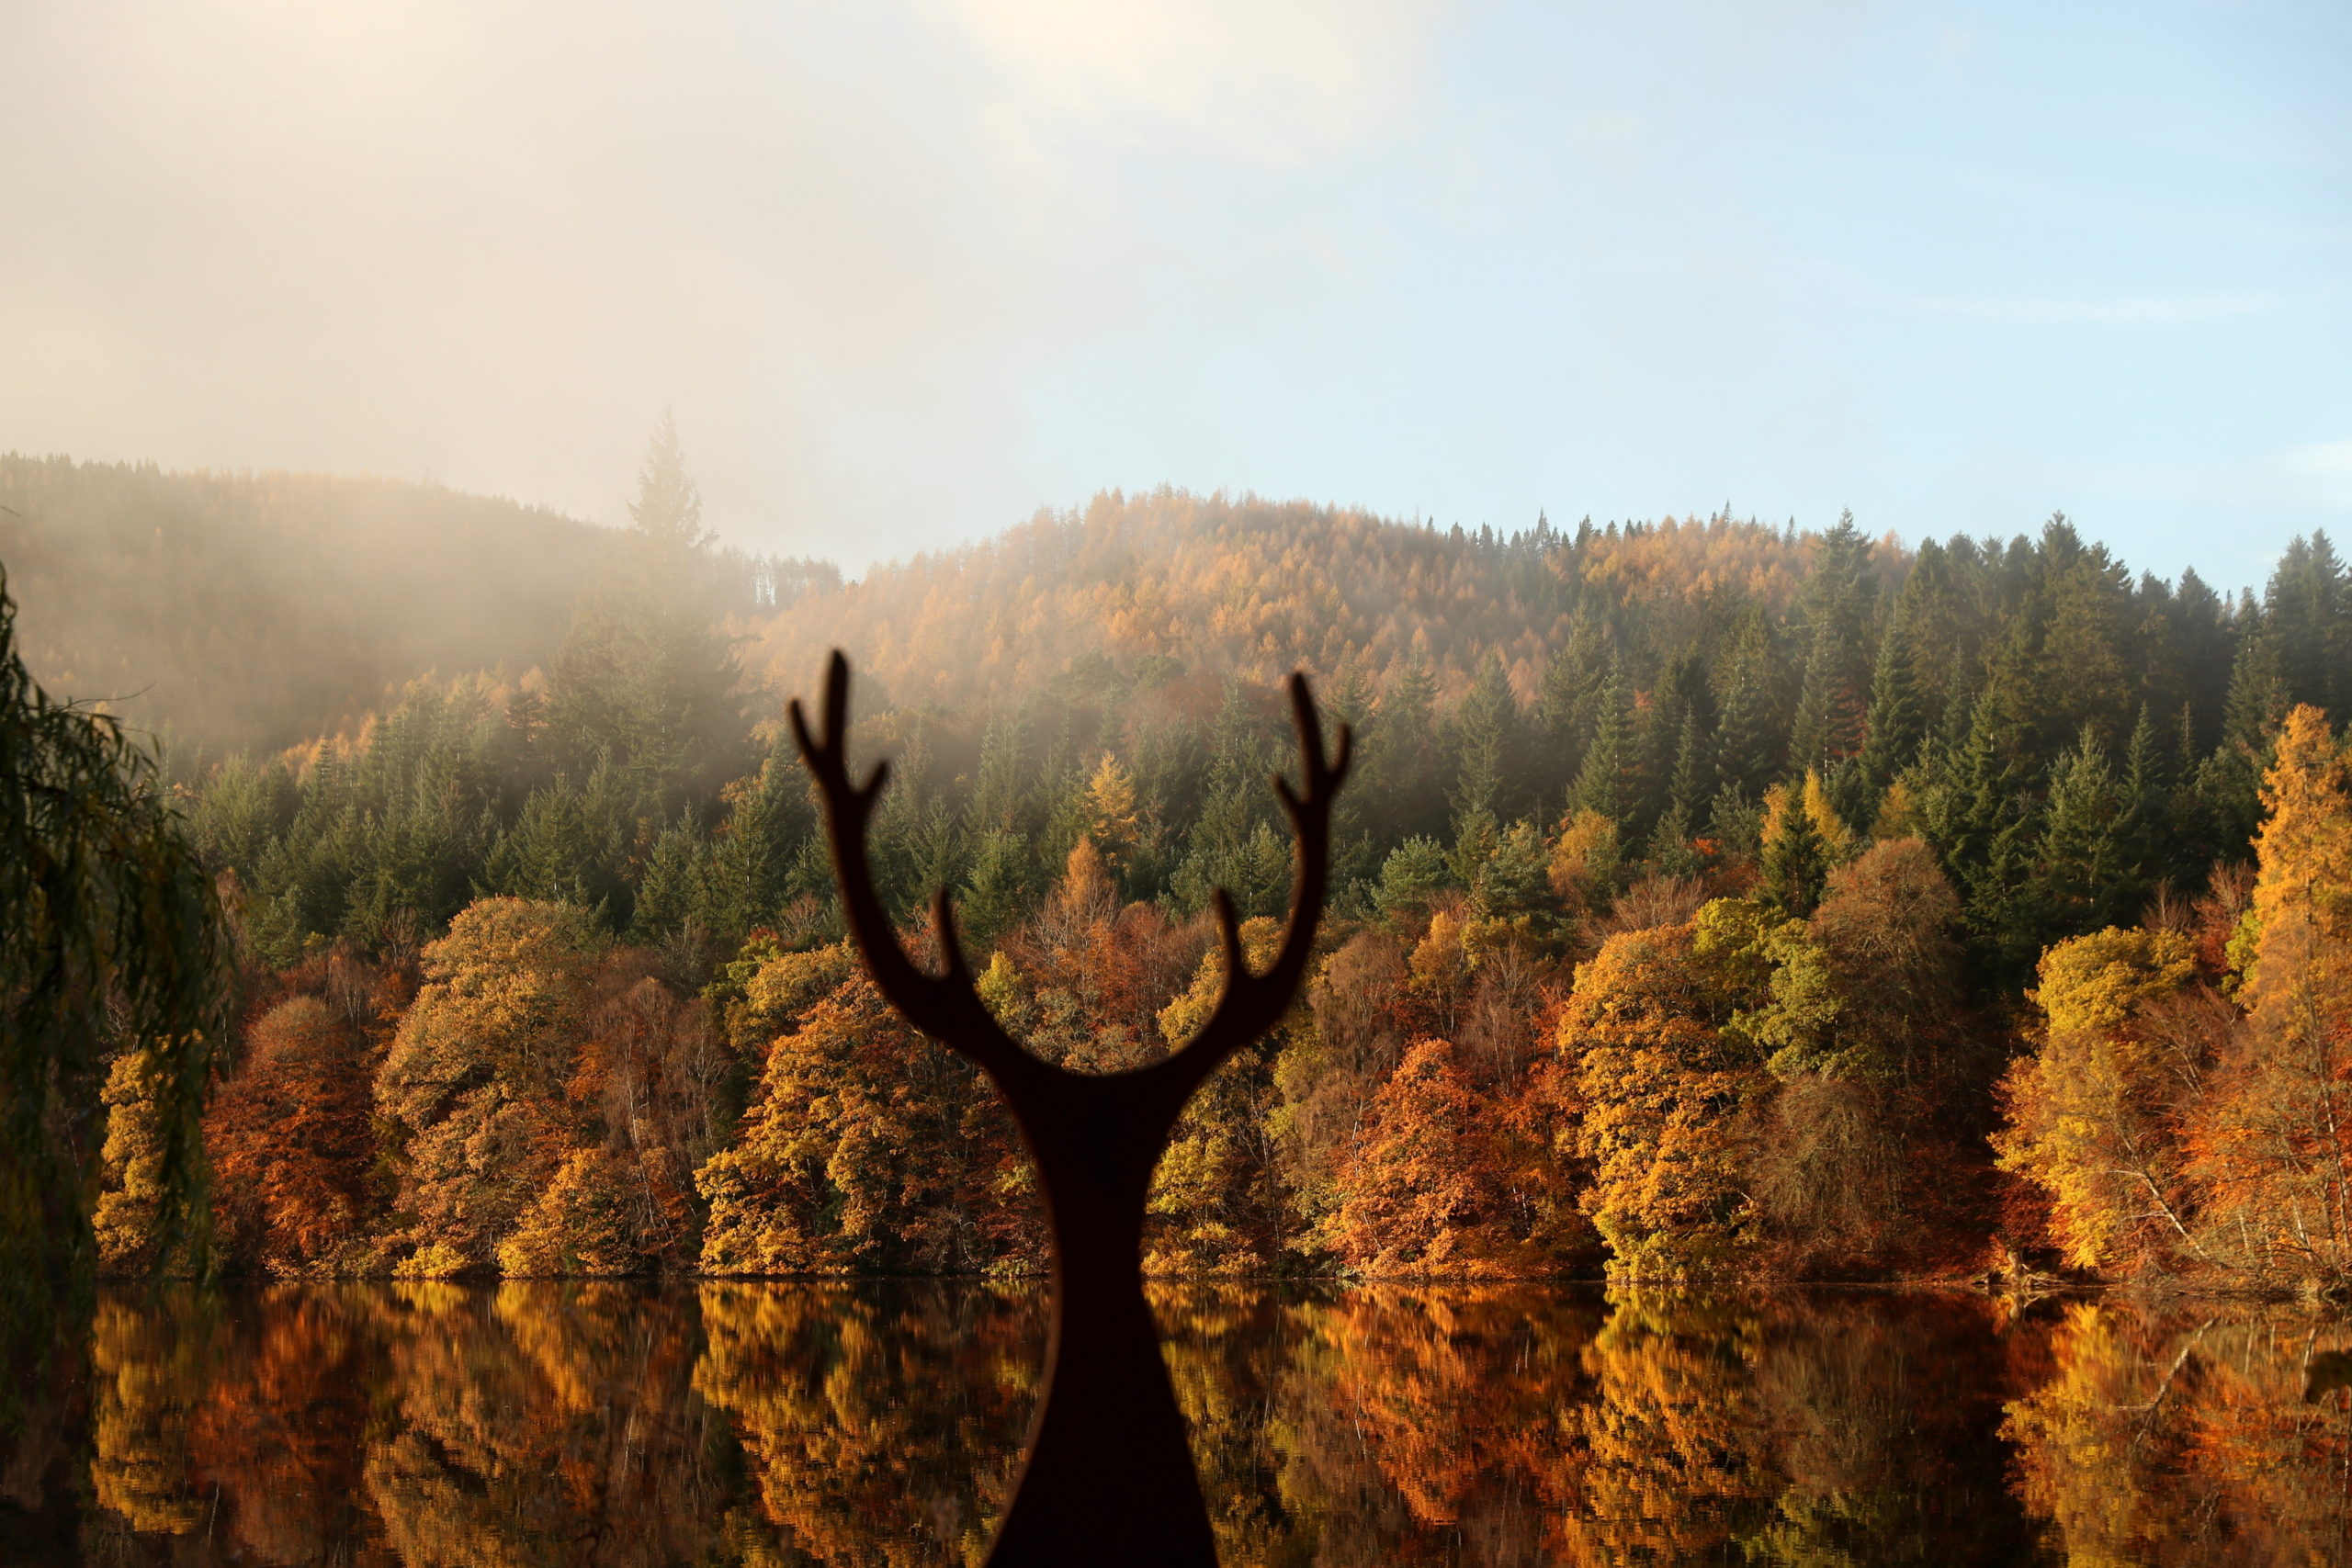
(1898, 722)
(647, 681)
(2307, 612)
(1833, 704)
(1610, 781)
(2089, 877)
(1748, 750)
(1569, 706)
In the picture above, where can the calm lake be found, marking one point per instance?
(787, 1424)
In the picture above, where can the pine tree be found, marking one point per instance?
(1833, 705)
(1569, 706)
(1401, 757)
(2230, 783)
(2307, 611)
(1483, 739)
(1897, 718)
(1747, 748)
(1981, 822)
(1610, 781)
(647, 681)
(2089, 879)
(667, 511)
(1796, 861)
(2149, 837)
(1000, 801)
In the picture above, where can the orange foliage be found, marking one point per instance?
(290, 1140)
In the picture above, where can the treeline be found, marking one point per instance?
(229, 612)
(1699, 894)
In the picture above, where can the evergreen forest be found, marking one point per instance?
(1712, 898)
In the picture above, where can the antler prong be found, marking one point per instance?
(1228, 932)
(943, 927)
(1247, 1005)
(946, 1007)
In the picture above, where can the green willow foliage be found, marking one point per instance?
(113, 943)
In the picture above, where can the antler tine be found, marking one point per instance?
(953, 963)
(943, 1006)
(828, 757)
(1248, 1004)
(1229, 933)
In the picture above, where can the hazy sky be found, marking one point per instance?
(906, 269)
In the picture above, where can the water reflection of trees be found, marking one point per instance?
(1507, 1427)
(880, 1427)
(877, 1425)
(2183, 1436)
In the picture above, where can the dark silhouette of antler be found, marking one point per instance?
(1109, 1477)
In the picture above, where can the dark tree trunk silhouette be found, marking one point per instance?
(1108, 1477)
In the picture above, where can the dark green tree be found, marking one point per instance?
(1609, 782)
(647, 681)
(114, 941)
(1833, 704)
(1898, 720)
(2090, 877)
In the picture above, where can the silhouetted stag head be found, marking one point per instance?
(1109, 1477)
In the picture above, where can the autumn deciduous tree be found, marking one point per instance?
(2094, 1113)
(1217, 1204)
(1665, 1093)
(2273, 1141)
(868, 1148)
(476, 1076)
(1424, 1187)
(291, 1143)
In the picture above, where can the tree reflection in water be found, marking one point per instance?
(879, 1424)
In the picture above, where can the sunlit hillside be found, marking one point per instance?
(1217, 585)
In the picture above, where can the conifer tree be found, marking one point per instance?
(2273, 1148)
(1749, 748)
(1897, 723)
(2231, 780)
(1795, 862)
(1569, 706)
(646, 681)
(1000, 799)
(1401, 757)
(1833, 705)
(1483, 740)
(2089, 877)
(1982, 825)
(1610, 780)
(2307, 612)
(2148, 832)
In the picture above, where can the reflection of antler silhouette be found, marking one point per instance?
(1109, 1477)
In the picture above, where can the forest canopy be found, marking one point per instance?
(1712, 898)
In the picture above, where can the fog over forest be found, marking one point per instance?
(1856, 852)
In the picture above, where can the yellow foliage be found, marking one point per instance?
(1664, 1094)
(2087, 1112)
(1586, 862)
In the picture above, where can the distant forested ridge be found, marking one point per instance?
(241, 612)
(1712, 898)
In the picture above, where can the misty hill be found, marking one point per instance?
(252, 611)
